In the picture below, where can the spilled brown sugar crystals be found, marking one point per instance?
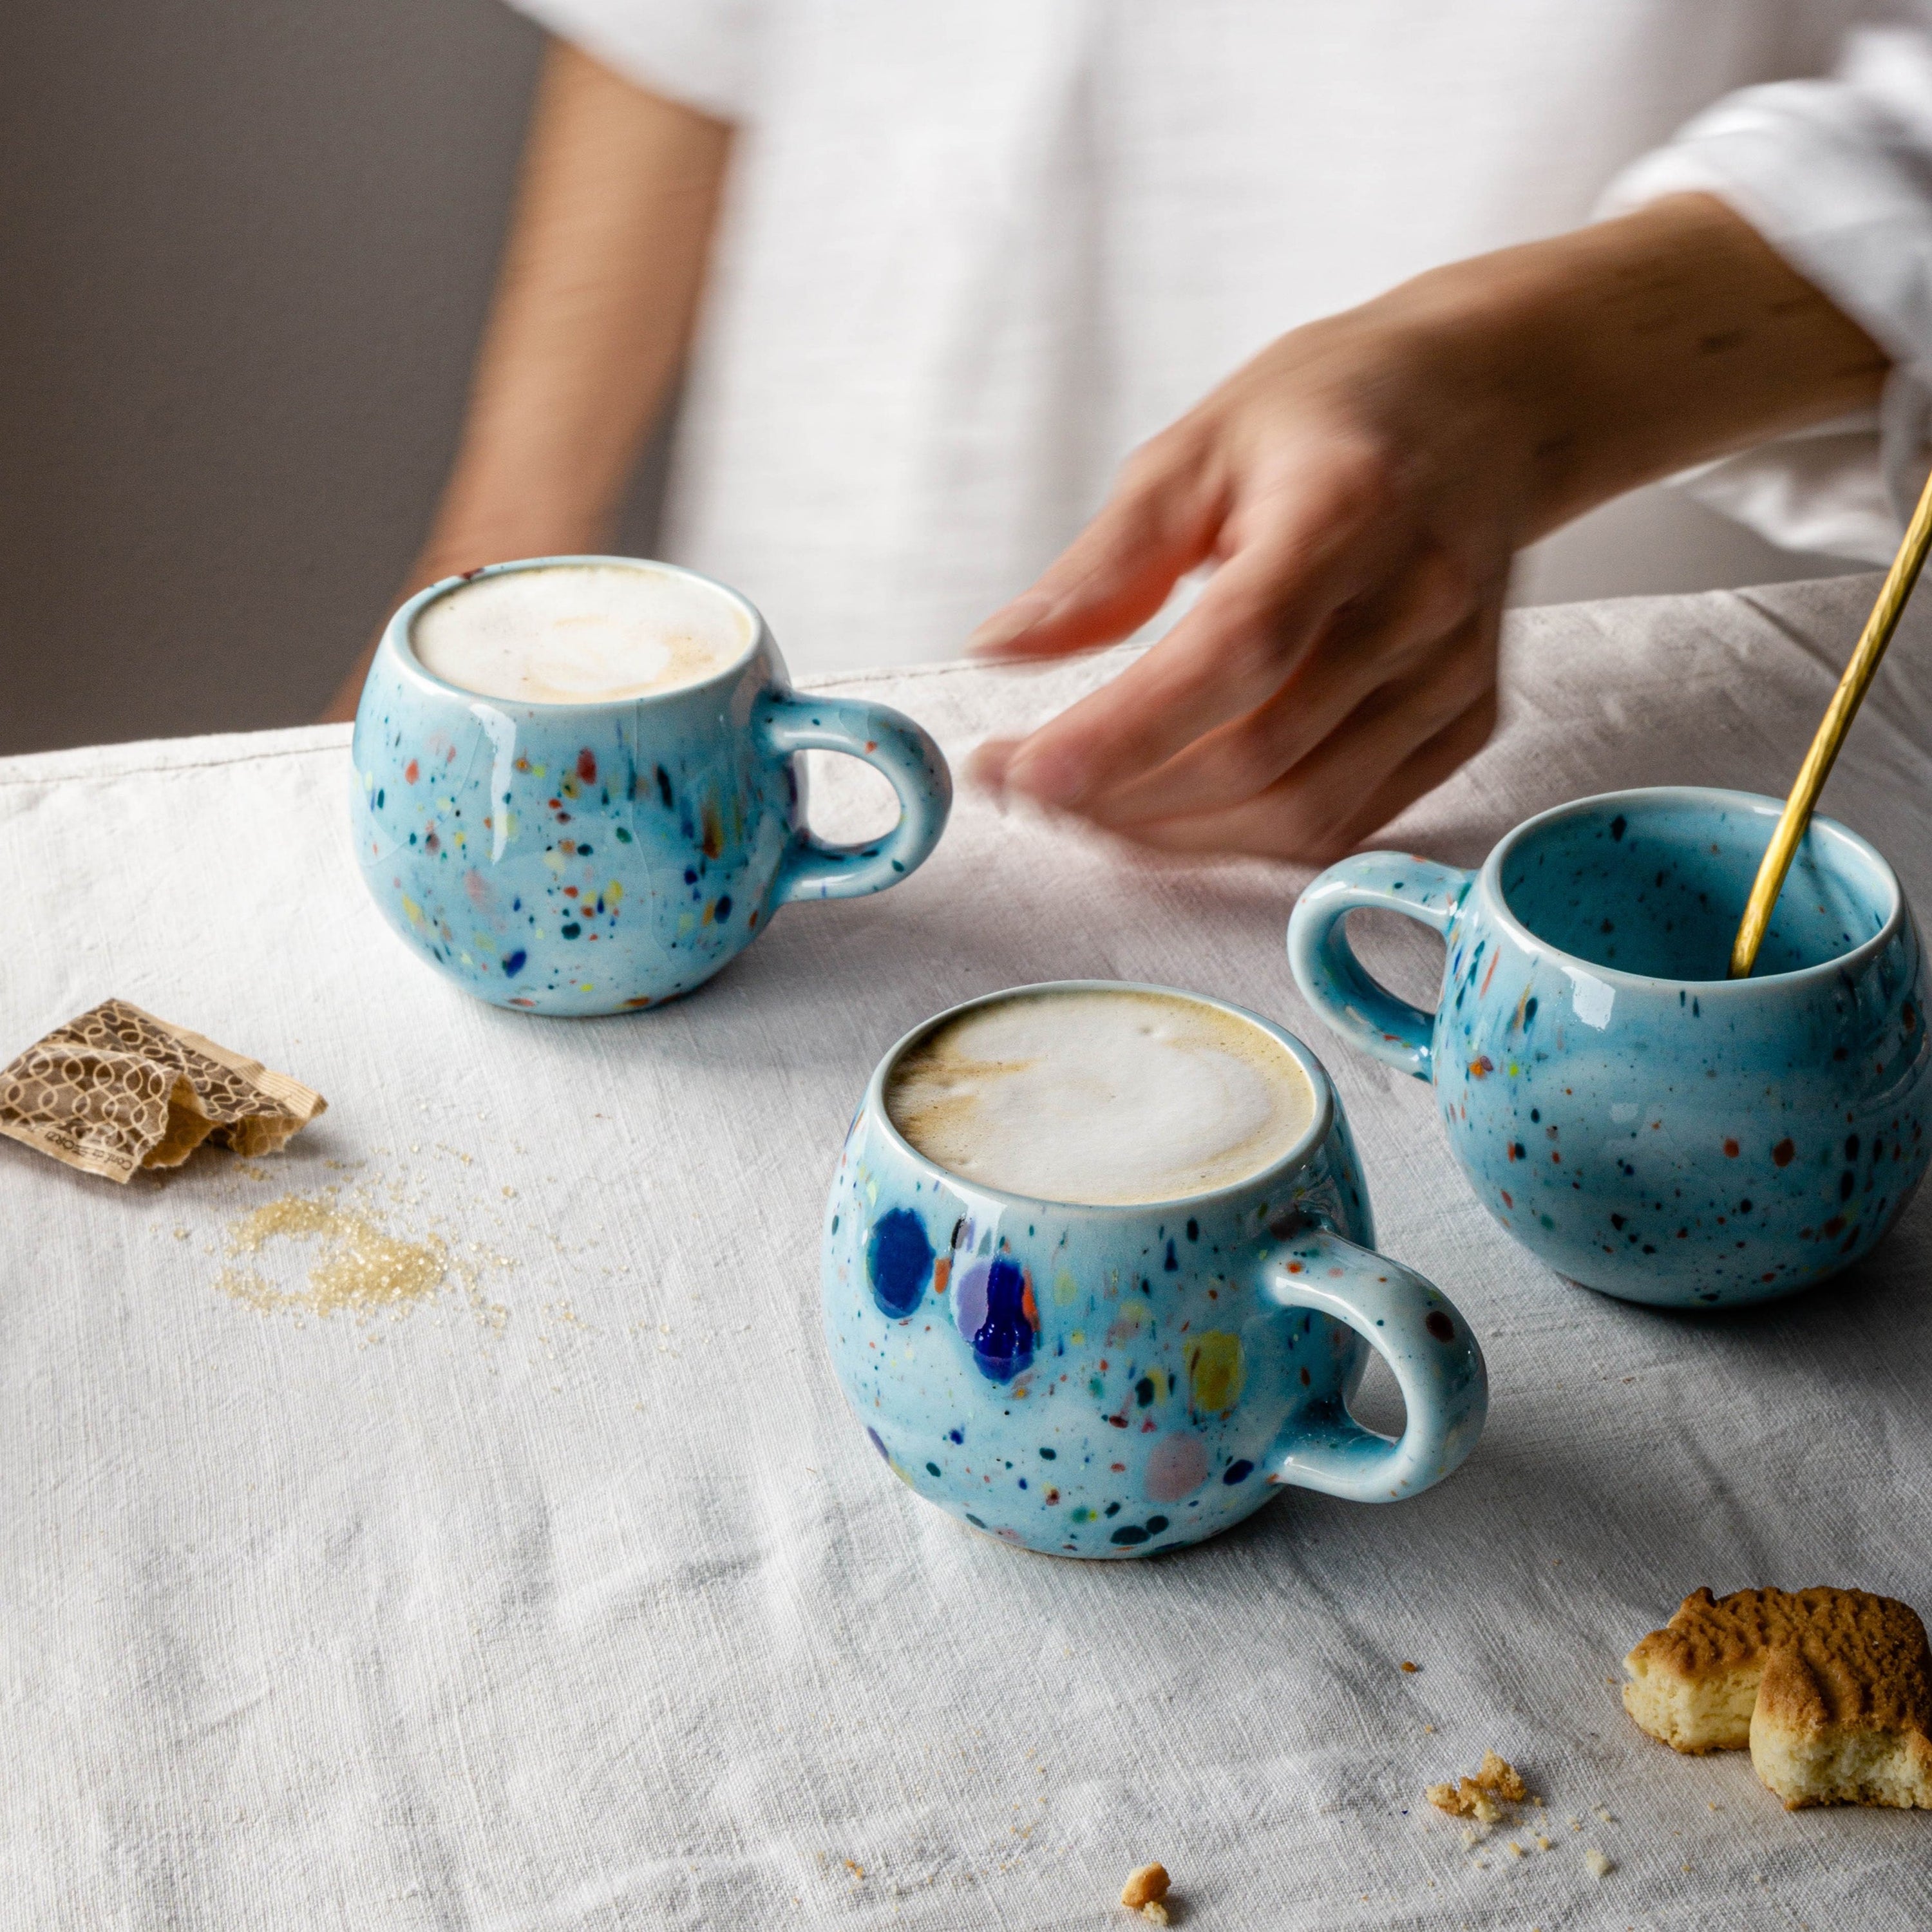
(361, 1269)
(1482, 1797)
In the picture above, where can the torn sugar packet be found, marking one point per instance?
(117, 1089)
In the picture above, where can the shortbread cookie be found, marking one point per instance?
(1832, 1690)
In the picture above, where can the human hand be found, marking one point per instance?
(1360, 488)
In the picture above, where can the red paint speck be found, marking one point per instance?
(1731, 1149)
(1784, 1153)
(1507, 1201)
(411, 772)
(586, 766)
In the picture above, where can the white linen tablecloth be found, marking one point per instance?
(574, 1598)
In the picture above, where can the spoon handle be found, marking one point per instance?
(1837, 721)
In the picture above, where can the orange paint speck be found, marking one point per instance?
(1731, 1149)
(942, 1273)
(1481, 1067)
(1495, 959)
(412, 771)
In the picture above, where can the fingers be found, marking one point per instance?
(1160, 521)
(1315, 540)
(987, 766)
(1366, 645)
(1401, 741)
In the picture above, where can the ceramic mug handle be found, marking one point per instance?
(789, 722)
(1336, 984)
(1419, 1332)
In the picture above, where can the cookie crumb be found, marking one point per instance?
(1476, 1797)
(1542, 1844)
(1410, 1668)
(1146, 1885)
(1516, 1851)
(1599, 1866)
(1154, 1909)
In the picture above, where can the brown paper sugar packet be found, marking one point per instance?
(117, 1089)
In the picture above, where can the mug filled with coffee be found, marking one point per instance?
(1646, 1125)
(1098, 1276)
(578, 788)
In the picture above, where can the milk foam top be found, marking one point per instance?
(579, 634)
(1101, 1098)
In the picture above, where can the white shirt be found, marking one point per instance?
(972, 253)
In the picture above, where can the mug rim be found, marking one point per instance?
(1296, 1156)
(396, 633)
(1759, 805)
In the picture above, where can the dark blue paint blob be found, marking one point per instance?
(1172, 1265)
(1129, 1534)
(571, 930)
(514, 962)
(1155, 1524)
(1239, 1472)
(974, 1520)
(898, 1259)
(956, 1435)
(724, 909)
(379, 798)
(878, 1444)
(932, 1469)
(1002, 1343)
(663, 786)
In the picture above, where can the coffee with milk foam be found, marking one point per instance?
(579, 634)
(1101, 1099)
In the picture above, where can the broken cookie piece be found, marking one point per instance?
(1145, 1892)
(1478, 1797)
(1831, 1690)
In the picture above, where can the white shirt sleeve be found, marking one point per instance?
(703, 52)
(1836, 174)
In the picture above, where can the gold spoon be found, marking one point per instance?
(1837, 721)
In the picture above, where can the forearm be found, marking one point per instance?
(1635, 347)
(593, 312)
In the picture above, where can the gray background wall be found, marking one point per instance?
(245, 247)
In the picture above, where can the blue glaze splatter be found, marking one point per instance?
(898, 1261)
(1002, 1343)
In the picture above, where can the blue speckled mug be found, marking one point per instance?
(1120, 1381)
(602, 857)
(1646, 1125)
